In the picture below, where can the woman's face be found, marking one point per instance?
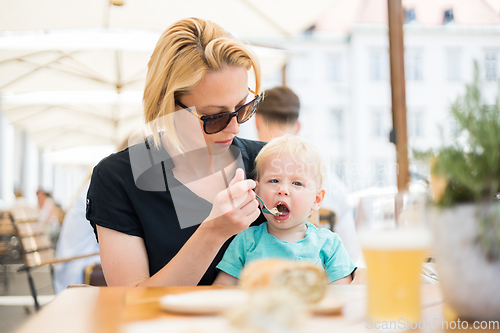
(219, 91)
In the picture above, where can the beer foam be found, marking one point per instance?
(395, 239)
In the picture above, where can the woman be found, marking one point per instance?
(141, 200)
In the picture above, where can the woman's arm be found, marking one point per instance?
(124, 257)
(125, 261)
(224, 279)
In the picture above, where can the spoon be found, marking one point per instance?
(273, 211)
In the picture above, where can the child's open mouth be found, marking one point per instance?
(283, 211)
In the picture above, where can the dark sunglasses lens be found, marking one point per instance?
(247, 111)
(216, 124)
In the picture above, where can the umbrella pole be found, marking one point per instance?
(396, 51)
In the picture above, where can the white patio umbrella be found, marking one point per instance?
(87, 86)
(241, 17)
(65, 119)
(87, 61)
(75, 61)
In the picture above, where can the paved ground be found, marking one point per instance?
(12, 316)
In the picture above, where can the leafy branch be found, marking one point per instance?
(469, 170)
(471, 167)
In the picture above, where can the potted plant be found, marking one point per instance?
(465, 181)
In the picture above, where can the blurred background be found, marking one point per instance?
(72, 74)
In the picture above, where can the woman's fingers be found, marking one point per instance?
(250, 208)
(239, 184)
(239, 189)
(236, 207)
(235, 196)
(238, 176)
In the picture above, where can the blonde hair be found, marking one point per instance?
(300, 150)
(185, 52)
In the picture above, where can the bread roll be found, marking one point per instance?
(302, 278)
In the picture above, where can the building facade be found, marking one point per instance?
(342, 76)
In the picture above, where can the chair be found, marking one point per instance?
(36, 246)
(323, 218)
(93, 276)
(9, 251)
(327, 218)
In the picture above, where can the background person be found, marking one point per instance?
(196, 96)
(48, 215)
(20, 200)
(278, 114)
(76, 238)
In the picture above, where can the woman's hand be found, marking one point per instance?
(235, 208)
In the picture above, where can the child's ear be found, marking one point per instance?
(256, 188)
(319, 199)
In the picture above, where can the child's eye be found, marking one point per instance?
(297, 183)
(273, 181)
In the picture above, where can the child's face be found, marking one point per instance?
(291, 187)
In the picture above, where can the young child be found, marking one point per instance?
(290, 175)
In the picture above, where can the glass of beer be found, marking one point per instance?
(395, 240)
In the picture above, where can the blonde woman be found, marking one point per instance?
(164, 211)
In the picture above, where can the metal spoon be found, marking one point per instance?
(265, 209)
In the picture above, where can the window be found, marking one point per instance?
(448, 16)
(491, 64)
(380, 172)
(334, 67)
(453, 65)
(299, 68)
(410, 15)
(336, 129)
(377, 124)
(413, 65)
(338, 166)
(379, 64)
(415, 124)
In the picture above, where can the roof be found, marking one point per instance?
(342, 14)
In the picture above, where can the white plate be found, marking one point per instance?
(219, 300)
(204, 302)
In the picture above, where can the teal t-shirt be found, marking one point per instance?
(319, 246)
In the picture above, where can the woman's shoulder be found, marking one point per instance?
(249, 148)
(114, 162)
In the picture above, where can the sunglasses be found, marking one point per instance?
(218, 122)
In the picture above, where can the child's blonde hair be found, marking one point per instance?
(300, 150)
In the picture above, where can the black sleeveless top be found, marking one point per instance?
(134, 192)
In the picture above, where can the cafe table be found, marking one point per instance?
(130, 310)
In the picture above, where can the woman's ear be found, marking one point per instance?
(319, 199)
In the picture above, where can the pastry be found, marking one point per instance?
(303, 279)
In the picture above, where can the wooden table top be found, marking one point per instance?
(116, 309)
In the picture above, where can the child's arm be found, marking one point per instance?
(339, 262)
(345, 280)
(224, 279)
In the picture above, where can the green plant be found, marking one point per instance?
(470, 167)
